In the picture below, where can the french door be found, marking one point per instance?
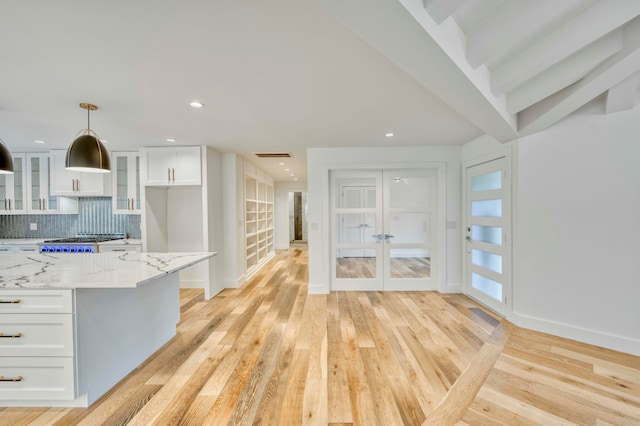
(488, 240)
(382, 229)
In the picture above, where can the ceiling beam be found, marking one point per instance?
(563, 74)
(613, 71)
(514, 24)
(623, 96)
(593, 23)
(442, 9)
(433, 55)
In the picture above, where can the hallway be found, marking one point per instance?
(268, 353)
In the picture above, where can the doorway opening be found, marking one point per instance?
(298, 218)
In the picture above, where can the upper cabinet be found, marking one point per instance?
(39, 197)
(13, 188)
(172, 166)
(76, 184)
(125, 176)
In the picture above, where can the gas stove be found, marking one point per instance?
(81, 243)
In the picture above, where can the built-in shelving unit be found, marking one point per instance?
(258, 205)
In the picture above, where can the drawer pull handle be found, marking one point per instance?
(10, 301)
(10, 336)
(16, 379)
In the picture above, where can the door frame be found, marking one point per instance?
(507, 306)
(439, 267)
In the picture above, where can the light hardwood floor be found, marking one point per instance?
(270, 354)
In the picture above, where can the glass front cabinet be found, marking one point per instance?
(125, 170)
(13, 188)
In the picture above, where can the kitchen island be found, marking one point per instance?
(71, 326)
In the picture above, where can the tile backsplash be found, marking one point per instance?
(94, 216)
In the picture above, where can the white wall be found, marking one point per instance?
(577, 262)
(576, 269)
(281, 211)
(233, 206)
(321, 160)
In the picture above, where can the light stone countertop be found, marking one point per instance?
(22, 241)
(98, 270)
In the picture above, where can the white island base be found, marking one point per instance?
(117, 329)
(71, 345)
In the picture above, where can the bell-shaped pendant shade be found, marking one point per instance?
(88, 154)
(6, 160)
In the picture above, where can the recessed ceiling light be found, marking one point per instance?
(286, 170)
(171, 140)
(282, 164)
(295, 178)
(292, 175)
(390, 134)
(38, 141)
(196, 104)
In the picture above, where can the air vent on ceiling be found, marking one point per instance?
(273, 154)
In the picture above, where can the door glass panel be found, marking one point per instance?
(3, 191)
(487, 260)
(410, 263)
(18, 182)
(410, 228)
(487, 234)
(53, 201)
(486, 182)
(409, 192)
(36, 193)
(363, 266)
(486, 208)
(487, 286)
(122, 200)
(137, 183)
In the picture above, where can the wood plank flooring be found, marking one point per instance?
(270, 354)
(401, 267)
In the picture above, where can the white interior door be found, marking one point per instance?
(488, 239)
(382, 223)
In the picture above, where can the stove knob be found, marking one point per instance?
(73, 249)
(66, 249)
(44, 249)
(89, 249)
(59, 249)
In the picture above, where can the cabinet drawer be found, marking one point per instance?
(36, 378)
(36, 335)
(36, 301)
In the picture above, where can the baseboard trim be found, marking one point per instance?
(192, 284)
(592, 337)
(318, 289)
(451, 288)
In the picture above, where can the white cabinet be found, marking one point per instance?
(76, 184)
(125, 171)
(13, 188)
(39, 197)
(37, 361)
(172, 166)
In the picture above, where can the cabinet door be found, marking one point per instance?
(39, 198)
(159, 166)
(126, 182)
(67, 182)
(173, 166)
(186, 167)
(13, 188)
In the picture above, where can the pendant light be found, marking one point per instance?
(6, 160)
(86, 153)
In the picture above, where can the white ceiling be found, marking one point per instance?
(285, 75)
